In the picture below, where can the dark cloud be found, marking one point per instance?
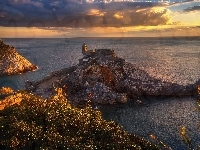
(106, 18)
(191, 9)
(74, 14)
(181, 2)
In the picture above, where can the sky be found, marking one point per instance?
(93, 18)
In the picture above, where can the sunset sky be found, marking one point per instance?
(80, 18)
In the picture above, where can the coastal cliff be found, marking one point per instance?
(11, 62)
(104, 78)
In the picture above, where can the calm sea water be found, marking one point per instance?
(169, 59)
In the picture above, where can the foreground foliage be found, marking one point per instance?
(37, 123)
(4, 91)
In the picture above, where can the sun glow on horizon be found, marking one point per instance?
(134, 31)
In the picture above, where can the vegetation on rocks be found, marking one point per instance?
(37, 123)
(4, 92)
(11, 62)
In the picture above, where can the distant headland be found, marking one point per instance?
(105, 78)
(11, 62)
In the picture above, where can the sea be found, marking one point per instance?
(174, 59)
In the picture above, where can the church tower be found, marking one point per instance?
(84, 49)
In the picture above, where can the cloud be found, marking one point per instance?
(74, 14)
(26, 2)
(192, 9)
(152, 16)
(6, 13)
(2, 14)
(182, 2)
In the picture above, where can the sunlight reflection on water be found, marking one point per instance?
(167, 59)
(163, 119)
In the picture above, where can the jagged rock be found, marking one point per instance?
(107, 79)
(11, 62)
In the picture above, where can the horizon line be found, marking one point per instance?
(100, 37)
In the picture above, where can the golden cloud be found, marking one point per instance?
(96, 12)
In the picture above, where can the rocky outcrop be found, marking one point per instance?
(105, 78)
(11, 62)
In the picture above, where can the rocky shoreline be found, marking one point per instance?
(11, 62)
(104, 78)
